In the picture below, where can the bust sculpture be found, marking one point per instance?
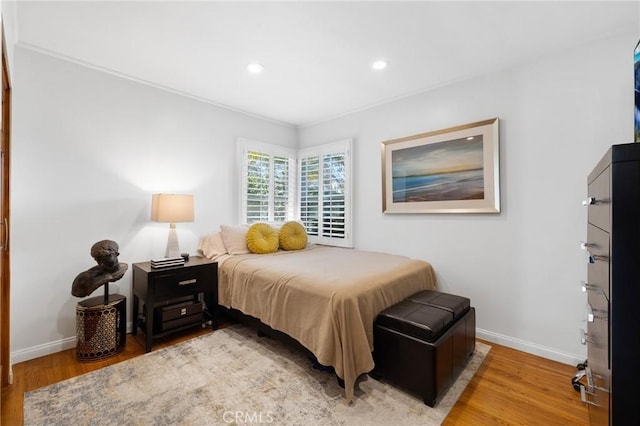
(107, 270)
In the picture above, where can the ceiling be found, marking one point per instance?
(316, 55)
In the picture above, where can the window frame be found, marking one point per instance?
(247, 145)
(341, 147)
(295, 163)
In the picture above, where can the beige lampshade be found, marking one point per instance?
(172, 208)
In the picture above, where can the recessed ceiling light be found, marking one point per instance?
(470, 138)
(379, 65)
(255, 68)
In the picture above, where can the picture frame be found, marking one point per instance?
(453, 170)
(636, 108)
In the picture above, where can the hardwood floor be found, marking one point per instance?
(510, 388)
(516, 388)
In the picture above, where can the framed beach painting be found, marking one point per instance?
(636, 108)
(454, 170)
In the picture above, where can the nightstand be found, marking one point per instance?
(171, 296)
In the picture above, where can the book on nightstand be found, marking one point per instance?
(167, 261)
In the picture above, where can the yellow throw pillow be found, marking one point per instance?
(293, 236)
(262, 239)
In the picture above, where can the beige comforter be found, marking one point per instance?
(325, 297)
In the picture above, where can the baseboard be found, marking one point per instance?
(48, 348)
(529, 347)
(42, 350)
(511, 342)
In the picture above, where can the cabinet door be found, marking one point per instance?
(598, 259)
(5, 302)
(598, 339)
(600, 210)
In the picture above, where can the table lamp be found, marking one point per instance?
(172, 208)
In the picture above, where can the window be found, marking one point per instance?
(325, 193)
(309, 191)
(317, 191)
(268, 182)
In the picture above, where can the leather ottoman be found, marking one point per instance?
(424, 342)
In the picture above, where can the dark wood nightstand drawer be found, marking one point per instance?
(176, 283)
(176, 315)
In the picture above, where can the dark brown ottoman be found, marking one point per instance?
(424, 342)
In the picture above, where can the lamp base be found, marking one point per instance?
(173, 250)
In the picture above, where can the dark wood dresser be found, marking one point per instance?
(613, 287)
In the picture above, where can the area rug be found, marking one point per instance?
(230, 376)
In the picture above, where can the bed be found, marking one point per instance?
(326, 298)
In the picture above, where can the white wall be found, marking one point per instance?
(521, 268)
(88, 150)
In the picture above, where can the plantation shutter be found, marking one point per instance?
(309, 186)
(257, 192)
(325, 193)
(267, 183)
(283, 189)
(333, 195)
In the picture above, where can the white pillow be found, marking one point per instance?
(212, 246)
(235, 238)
